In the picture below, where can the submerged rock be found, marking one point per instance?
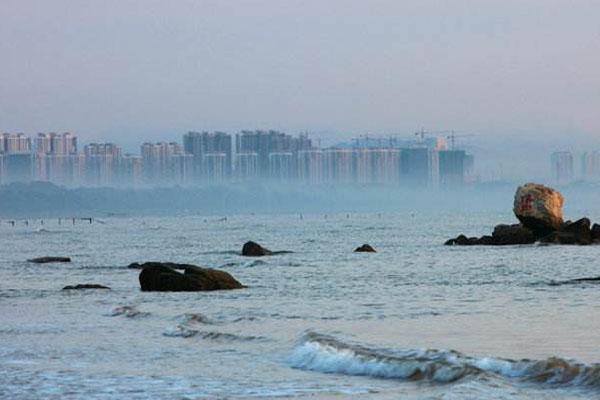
(45, 260)
(156, 276)
(365, 248)
(85, 286)
(253, 249)
(539, 208)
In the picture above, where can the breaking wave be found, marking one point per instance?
(323, 353)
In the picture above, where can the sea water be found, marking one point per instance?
(415, 320)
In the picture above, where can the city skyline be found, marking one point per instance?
(220, 157)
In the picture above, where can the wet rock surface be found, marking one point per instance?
(162, 277)
(365, 248)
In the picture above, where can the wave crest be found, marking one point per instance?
(323, 353)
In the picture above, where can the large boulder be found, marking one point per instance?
(253, 249)
(161, 277)
(539, 208)
(511, 235)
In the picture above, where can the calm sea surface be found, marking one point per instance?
(415, 320)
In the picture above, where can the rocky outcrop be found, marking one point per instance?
(365, 248)
(45, 260)
(253, 249)
(85, 286)
(578, 232)
(161, 277)
(539, 208)
(512, 234)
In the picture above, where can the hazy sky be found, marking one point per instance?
(127, 70)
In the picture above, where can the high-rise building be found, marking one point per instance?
(165, 163)
(415, 166)
(14, 144)
(338, 165)
(562, 166)
(200, 145)
(263, 143)
(246, 166)
(281, 166)
(130, 170)
(215, 167)
(311, 166)
(452, 167)
(101, 161)
(590, 166)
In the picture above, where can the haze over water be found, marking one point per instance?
(516, 80)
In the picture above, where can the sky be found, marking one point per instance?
(128, 71)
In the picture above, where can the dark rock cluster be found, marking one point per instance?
(539, 211)
(579, 232)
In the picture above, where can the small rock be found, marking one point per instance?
(253, 249)
(365, 248)
(45, 260)
(85, 286)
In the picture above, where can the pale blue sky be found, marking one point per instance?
(133, 70)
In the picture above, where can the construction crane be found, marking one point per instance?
(453, 136)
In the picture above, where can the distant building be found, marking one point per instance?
(452, 167)
(165, 163)
(415, 166)
(590, 166)
(15, 144)
(101, 161)
(282, 166)
(246, 166)
(311, 166)
(203, 145)
(263, 143)
(338, 165)
(562, 167)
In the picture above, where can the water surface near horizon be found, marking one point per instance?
(415, 320)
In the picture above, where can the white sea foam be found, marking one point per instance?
(326, 354)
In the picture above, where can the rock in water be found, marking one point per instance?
(45, 260)
(156, 276)
(578, 232)
(85, 286)
(253, 249)
(596, 233)
(365, 248)
(511, 235)
(539, 208)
